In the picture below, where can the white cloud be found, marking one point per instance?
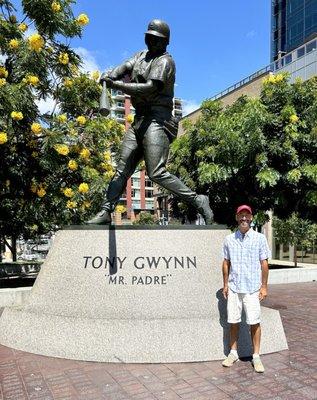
(89, 63)
(189, 106)
(2, 58)
(47, 105)
(251, 34)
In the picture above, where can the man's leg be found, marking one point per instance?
(256, 337)
(234, 334)
(156, 149)
(251, 303)
(234, 310)
(130, 155)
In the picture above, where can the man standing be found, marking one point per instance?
(151, 76)
(245, 275)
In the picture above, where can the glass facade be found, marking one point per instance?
(293, 23)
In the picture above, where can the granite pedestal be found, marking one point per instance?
(127, 294)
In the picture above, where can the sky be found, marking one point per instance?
(214, 43)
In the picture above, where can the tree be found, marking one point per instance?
(261, 151)
(145, 218)
(53, 166)
(294, 231)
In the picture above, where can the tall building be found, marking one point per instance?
(293, 23)
(293, 50)
(139, 194)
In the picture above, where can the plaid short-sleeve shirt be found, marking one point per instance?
(245, 253)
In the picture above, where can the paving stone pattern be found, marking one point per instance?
(290, 374)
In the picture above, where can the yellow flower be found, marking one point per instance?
(82, 19)
(269, 79)
(81, 120)
(62, 118)
(122, 127)
(71, 204)
(107, 155)
(41, 192)
(2, 82)
(33, 188)
(109, 174)
(95, 75)
(85, 153)
(23, 27)
(3, 137)
(87, 204)
(130, 118)
(36, 128)
(34, 227)
(74, 69)
(56, 7)
(34, 154)
(16, 115)
(73, 132)
(72, 165)
(3, 72)
(36, 42)
(63, 58)
(68, 192)
(293, 118)
(83, 187)
(62, 149)
(14, 44)
(120, 209)
(32, 80)
(107, 166)
(279, 77)
(68, 82)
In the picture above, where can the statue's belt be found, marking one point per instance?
(149, 110)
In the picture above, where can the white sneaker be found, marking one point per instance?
(257, 365)
(230, 360)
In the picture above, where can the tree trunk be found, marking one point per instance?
(295, 255)
(14, 248)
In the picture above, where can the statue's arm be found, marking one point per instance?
(118, 72)
(134, 89)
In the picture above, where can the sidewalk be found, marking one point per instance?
(289, 375)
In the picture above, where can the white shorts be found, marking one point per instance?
(250, 302)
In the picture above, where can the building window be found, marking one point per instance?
(148, 193)
(148, 182)
(301, 52)
(288, 59)
(135, 193)
(135, 182)
(136, 204)
(311, 46)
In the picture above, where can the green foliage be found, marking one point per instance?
(295, 231)
(54, 166)
(260, 151)
(145, 218)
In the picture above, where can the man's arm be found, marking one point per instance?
(265, 275)
(225, 275)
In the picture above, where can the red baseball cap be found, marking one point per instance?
(244, 207)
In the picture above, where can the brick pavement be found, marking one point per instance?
(289, 375)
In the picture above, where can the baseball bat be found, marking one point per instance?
(104, 104)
